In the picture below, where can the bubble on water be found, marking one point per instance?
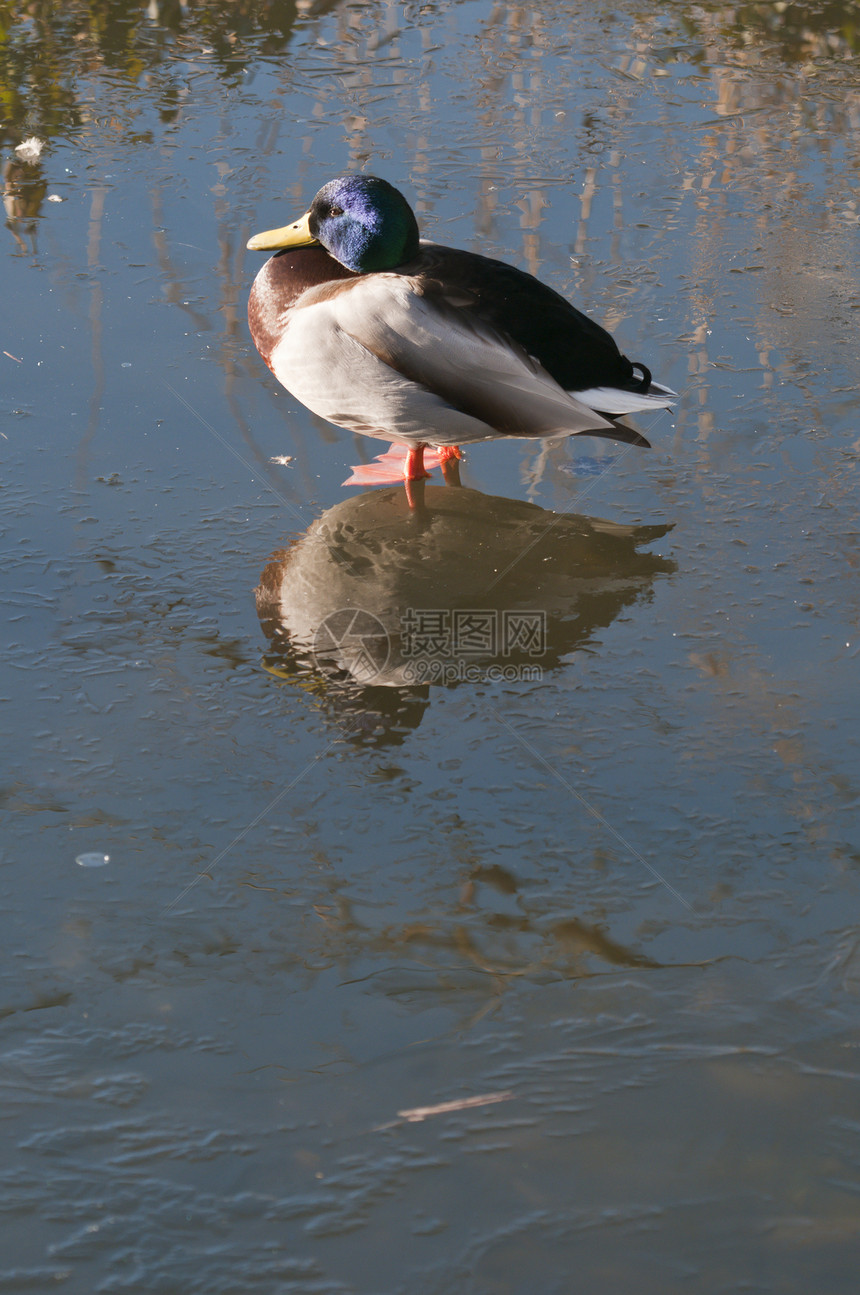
(93, 859)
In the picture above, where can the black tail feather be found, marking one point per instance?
(618, 432)
(645, 382)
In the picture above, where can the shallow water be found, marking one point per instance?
(609, 871)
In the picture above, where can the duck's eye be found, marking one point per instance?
(335, 211)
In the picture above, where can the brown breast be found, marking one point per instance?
(280, 283)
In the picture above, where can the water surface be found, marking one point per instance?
(614, 879)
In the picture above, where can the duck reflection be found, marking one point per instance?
(378, 595)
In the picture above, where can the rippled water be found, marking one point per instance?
(607, 874)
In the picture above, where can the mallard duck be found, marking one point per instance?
(384, 333)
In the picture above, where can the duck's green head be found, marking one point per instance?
(362, 221)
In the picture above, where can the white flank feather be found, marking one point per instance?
(612, 400)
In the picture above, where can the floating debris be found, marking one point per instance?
(30, 150)
(416, 1114)
(283, 459)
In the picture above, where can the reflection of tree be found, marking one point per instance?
(493, 932)
(797, 31)
(24, 189)
(50, 50)
(36, 75)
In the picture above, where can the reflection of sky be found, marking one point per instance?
(627, 189)
(723, 255)
(690, 193)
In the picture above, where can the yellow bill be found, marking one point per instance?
(295, 235)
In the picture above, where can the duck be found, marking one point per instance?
(392, 336)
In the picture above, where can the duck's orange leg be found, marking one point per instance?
(449, 462)
(414, 474)
(413, 468)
